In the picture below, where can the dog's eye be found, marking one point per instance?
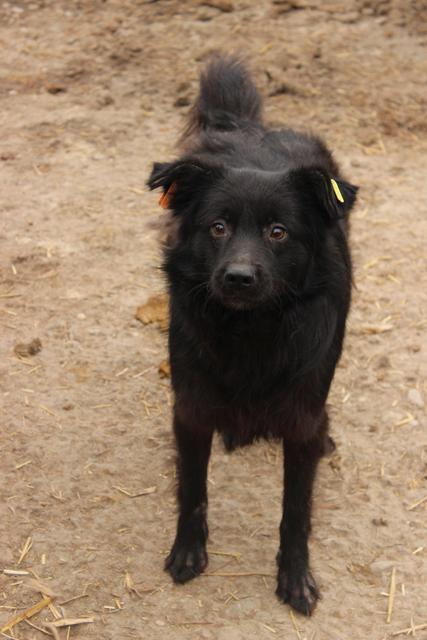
(278, 232)
(218, 229)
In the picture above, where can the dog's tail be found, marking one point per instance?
(228, 99)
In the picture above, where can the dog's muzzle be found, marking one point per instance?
(239, 285)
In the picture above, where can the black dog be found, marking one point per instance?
(259, 274)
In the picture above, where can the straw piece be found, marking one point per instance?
(71, 622)
(185, 623)
(54, 611)
(392, 592)
(417, 504)
(143, 492)
(28, 613)
(49, 411)
(82, 595)
(294, 623)
(130, 585)
(31, 624)
(232, 554)
(232, 595)
(372, 329)
(22, 464)
(165, 369)
(25, 549)
(32, 583)
(54, 632)
(265, 48)
(409, 418)
(417, 627)
(269, 628)
(236, 575)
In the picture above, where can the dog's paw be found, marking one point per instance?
(298, 589)
(186, 561)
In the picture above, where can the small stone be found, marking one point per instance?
(24, 350)
(95, 331)
(104, 101)
(54, 89)
(221, 5)
(183, 86)
(204, 17)
(7, 155)
(379, 522)
(383, 362)
(415, 398)
(182, 101)
(415, 348)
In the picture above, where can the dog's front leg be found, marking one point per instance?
(188, 557)
(296, 585)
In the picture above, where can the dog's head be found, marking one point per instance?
(250, 236)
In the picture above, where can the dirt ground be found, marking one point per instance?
(91, 93)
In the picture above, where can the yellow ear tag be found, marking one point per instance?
(337, 191)
(165, 198)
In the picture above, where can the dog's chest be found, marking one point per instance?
(245, 392)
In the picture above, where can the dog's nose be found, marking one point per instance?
(240, 275)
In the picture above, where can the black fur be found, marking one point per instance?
(259, 274)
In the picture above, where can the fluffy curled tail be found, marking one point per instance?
(227, 99)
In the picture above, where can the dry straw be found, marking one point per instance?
(28, 613)
(391, 594)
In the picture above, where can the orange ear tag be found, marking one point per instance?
(165, 198)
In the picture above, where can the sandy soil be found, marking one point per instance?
(91, 93)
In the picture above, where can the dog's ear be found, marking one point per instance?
(335, 196)
(183, 182)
